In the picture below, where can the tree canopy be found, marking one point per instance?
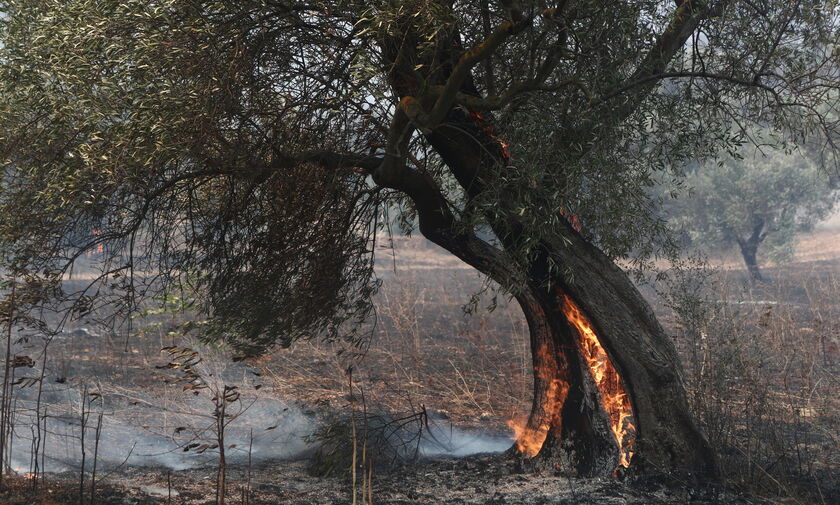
(253, 149)
(761, 199)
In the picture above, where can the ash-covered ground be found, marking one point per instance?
(474, 480)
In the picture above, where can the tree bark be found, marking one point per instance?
(749, 250)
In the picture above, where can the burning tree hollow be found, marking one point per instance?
(612, 394)
(561, 368)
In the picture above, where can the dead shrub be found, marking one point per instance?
(378, 439)
(764, 392)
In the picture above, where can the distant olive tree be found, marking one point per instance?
(752, 200)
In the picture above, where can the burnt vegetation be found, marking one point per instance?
(217, 180)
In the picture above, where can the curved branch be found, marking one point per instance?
(755, 82)
(467, 62)
(685, 20)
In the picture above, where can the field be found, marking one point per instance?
(760, 361)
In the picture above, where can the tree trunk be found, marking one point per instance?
(644, 358)
(749, 249)
(568, 426)
(666, 435)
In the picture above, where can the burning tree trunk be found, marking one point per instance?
(631, 375)
(608, 387)
(567, 424)
(608, 390)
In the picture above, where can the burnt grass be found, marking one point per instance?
(475, 480)
(761, 366)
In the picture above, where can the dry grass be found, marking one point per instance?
(762, 368)
(425, 351)
(761, 361)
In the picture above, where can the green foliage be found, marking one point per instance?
(186, 139)
(127, 124)
(773, 192)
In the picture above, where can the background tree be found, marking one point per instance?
(759, 199)
(256, 147)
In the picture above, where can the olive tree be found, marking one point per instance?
(758, 199)
(254, 148)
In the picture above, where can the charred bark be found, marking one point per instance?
(565, 403)
(566, 407)
(578, 438)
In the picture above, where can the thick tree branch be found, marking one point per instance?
(755, 82)
(466, 63)
(453, 92)
(437, 222)
(684, 21)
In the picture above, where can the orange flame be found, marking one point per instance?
(487, 128)
(530, 439)
(613, 394)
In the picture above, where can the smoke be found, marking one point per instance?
(448, 441)
(157, 423)
(150, 418)
(145, 435)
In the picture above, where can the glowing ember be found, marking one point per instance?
(613, 395)
(572, 218)
(505, 151)
(487, 128)
(530, 439)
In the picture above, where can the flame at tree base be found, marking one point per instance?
(530, 436)
(530, 439)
